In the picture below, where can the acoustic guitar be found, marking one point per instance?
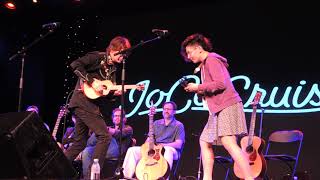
(152, 164)
(252, 147)
(108, 86)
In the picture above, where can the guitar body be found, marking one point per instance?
(152, 164)
(92, 94)
(108, 86)
(256, 160)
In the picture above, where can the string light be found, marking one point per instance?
(10, 5)
(79, 42)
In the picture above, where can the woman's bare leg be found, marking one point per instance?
(207, 157)
(230, 144)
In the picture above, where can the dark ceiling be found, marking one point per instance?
(29, 14)
(70, 7)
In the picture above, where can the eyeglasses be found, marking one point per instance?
(191, 51)
(167, 109)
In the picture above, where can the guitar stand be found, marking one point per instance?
(199, 168)
(118, 173)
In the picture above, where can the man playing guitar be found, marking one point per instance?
(91, 113)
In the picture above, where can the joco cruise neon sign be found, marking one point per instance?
(290, 102)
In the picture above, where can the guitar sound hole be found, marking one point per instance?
(249, 149)
(151, 152)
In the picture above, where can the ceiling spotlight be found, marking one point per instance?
(76, 1)
(35, 1)
(10, 5)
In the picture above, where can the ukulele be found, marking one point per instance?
(108, 86)
(152, 164)
(252, 147)
(184, 82)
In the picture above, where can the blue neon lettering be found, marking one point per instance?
(311, 102)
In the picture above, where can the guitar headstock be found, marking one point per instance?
(183, 81)
(256, 98)
(152, 109)
(140, 87)
(63, 111)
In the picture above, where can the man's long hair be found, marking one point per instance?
(118, 43)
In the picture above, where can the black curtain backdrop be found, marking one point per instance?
(274, 44)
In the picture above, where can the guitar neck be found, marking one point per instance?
(56, 126)
(252, 125)
(118, 87)
(151, 132)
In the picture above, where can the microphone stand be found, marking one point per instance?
(22, 53)
(119, 170)
(125, 53)
(200, 160)
(261, 121)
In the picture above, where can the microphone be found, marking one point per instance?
(125, 52)
(197, 69)
(160, 32)
(52, 25)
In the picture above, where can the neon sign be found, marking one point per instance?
(290, 101)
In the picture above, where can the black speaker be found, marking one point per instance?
(27, 149)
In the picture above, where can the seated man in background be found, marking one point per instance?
(168, 132)
(35, 109)
(113, 150)
(68, 135)
(67, 140)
